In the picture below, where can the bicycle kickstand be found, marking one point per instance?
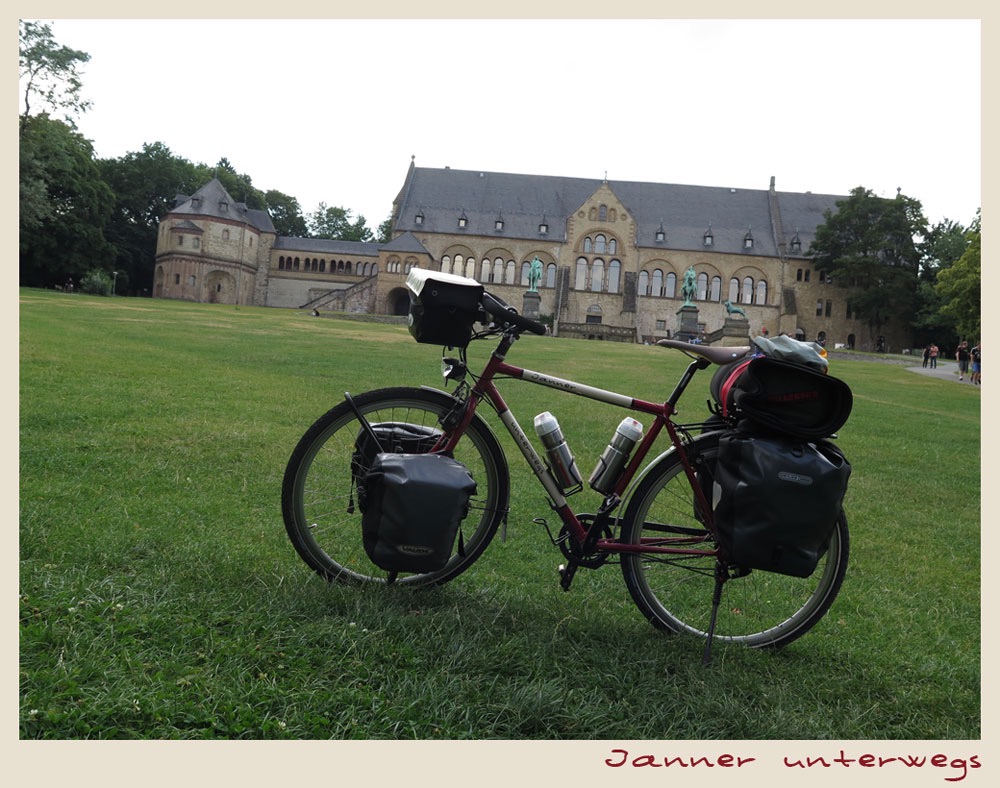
(721, 575)
(566, 572)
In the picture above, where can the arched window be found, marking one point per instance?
(498, 271)
(446, 264)
(459, 265)
(734, 290)
(761, 292)
(643, 283)
(581, 274)
(470, 268)
(597, 276)
(484, 271)
(716, 294)
(602, 213)
(747, 290)
(588, 245)
(509, 275)
(612, 246)
(670, 285)
(702, 287)
(614, 275)
(600, 244)
(657, 283)
(525, 267)
(550, 275)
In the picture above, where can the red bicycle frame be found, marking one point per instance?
(485, 387)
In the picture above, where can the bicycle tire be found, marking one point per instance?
(318, 497)
(760, 609)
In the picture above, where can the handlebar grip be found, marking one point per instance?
(505, 313)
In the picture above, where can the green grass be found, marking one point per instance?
(160, 597)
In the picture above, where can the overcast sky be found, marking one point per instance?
(332, 110)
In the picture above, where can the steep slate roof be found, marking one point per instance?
(208, 200)
(686, 212)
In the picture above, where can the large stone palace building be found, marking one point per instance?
(614, 255)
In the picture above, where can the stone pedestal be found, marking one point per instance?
(532, 301)
(687, 323)
(735, 332)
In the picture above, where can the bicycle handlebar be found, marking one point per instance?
(505, 313)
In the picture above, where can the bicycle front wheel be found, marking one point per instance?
(319, 499)
(760, 609)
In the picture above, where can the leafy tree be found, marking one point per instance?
(65, 206)
(48, 72)
(869, 245)
(943, 245)
(960, 286)
(286, 214)
(145, 184)
(335, 224)
(385, 230)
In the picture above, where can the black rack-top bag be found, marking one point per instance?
(782, 397)
(792, 398)
(413, 507)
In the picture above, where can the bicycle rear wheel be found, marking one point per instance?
(319, 499)
(760, 609)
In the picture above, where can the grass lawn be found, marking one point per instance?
(161, 599)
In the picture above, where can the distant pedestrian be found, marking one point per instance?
(962, 356)
(976, 355)
(927, 355)
(933, 355)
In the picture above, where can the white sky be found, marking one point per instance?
(331, 110)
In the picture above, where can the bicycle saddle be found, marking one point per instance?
(717, 355)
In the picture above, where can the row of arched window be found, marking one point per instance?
(604, 276)
(741, 291)
(319, 265)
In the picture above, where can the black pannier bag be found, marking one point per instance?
(783, 397)
(779, 500)
(413, 507)
(443, 307)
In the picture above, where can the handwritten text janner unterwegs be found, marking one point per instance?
(958, 767)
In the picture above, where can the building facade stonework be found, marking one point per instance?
(614, 256)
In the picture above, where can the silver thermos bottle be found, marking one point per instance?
(561, 462)
(612, 460)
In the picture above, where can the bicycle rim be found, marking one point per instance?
(761, 609)
(319, 497)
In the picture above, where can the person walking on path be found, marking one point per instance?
(927, 355)
(934, 354)
(975, 356)
(962, 356)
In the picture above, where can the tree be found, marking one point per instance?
(145, 184)
(48, 72)
(869, 245)
(65, 206)
(942, 247)
(960, 287)
(335, 224)
(286, 214)
(385, 231)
